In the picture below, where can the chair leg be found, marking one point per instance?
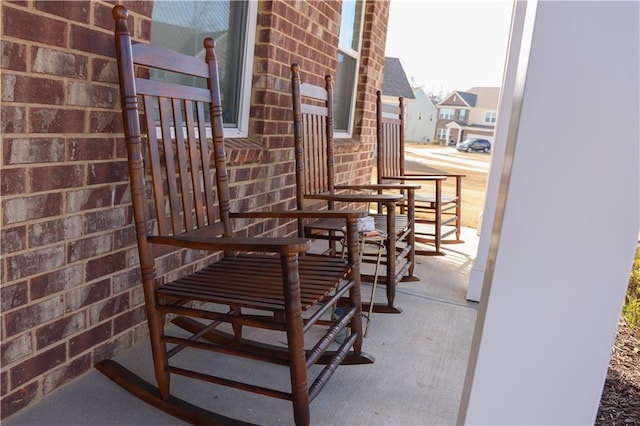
(438, 218)
(155, 322)
(237, 328)
(391, 258)
(299, 386)
(375, 285)
(458, 206)
(411, 240)
(295, 340)
(355, 295)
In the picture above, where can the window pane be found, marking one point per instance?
(447, 113)
(347, 68)
(350, 24)
(343, 91)
(182, 25)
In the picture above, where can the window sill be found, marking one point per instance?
(345, 145)
(242, 151)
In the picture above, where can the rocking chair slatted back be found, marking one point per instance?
(180, 171)
(390, 129)
(315, 134)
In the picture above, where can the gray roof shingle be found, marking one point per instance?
(469, 98)
(395, 82)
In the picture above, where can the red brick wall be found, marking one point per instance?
(306, 32)
(70, 293)
(69, 266)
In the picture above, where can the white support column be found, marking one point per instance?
(567, 216)
(505, 105)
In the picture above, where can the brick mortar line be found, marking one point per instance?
(64, 244)
(82, 263)
(60, 49)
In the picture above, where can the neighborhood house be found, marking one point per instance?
(466, 115)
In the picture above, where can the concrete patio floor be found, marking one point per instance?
(421, 360)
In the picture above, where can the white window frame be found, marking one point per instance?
(348, 51)
(440, 132)
(490, 117)
(241, 130)
(447, 113)
(462, 114)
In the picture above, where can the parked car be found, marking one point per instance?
(469, 145)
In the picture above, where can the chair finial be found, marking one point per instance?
(119, 12)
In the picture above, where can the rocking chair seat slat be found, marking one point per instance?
(271, 245)
(431, 198)
(357, 198)
(380, 220)
(225, 282)
(327, 225)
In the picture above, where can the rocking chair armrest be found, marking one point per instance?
(416, 177)
(200, 241)
(358, 198)
(427, 175)
(303, 214)
(382, 186)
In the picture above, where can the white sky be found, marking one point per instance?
(447, 45)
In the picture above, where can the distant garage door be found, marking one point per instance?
(478, 136)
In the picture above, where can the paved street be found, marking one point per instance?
(448, 156)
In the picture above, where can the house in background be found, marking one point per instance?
(395, 83)
(470, 114)
(420, 117)
(420, 112)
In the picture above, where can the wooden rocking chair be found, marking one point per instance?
(315, 180)
(439, 211)
(259, 283)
